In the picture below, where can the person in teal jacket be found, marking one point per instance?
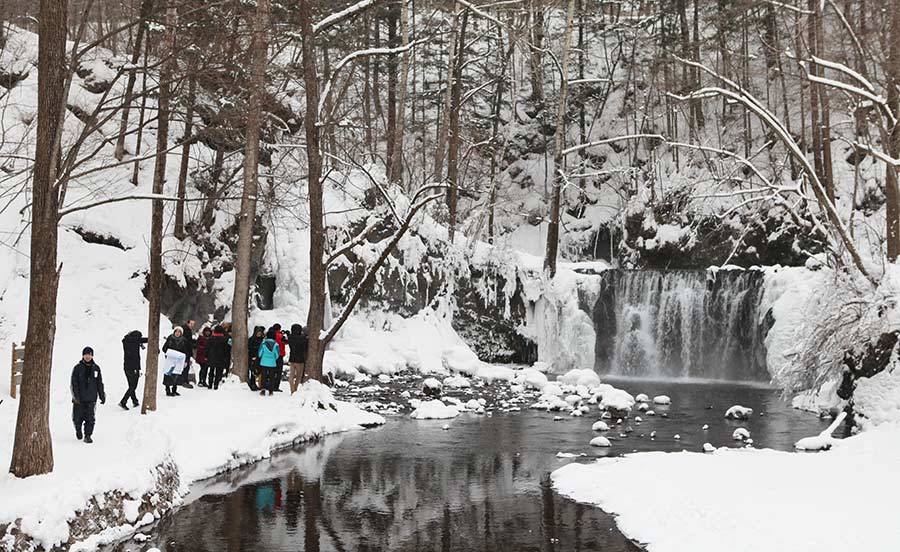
(268, 361)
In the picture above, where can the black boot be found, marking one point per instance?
(87, 439)
(78, 434)
(123, 406)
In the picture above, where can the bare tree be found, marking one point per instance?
(156, 219)
(33, 448)
(240, 303)
(559, 145)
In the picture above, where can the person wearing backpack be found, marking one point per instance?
(269, 353)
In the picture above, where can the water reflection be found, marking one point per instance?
(482, 485)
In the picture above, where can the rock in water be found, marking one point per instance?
(600, 442)
(740, 434)
(662, 400)
(600, 426)
(432, 387)
(642, 398)
(738, 412)
(708, 448)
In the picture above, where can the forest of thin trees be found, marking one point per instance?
(445, 97)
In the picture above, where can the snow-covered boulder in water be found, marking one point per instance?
(530, 377)
(587, 378)
(432, 387)
(434, 410)
(642, 397)
(738, 412)
(617, 401)
(600, 442)
(457, 382)
(662, 400)
(740, 434)
(600, 426)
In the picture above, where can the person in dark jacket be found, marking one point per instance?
(298, 343)
(191, 343)
(132, 344)
(87, 387)
(218, 355)
(175, 348)
(259, 334)
(268, 361)
(202, 358)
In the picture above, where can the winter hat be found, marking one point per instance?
(87, 351)
(178, 329)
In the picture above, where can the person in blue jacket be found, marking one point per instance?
(87, 387)
(268, 354)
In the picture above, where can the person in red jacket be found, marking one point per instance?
(201, 355)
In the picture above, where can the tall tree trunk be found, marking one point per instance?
(396, 174)
(156, 218)
(185, 157)
(367, 92)
(892, 195)
(146, 9)
(393, 20)
(815, 125)
(257, 84)
(697, 103)
(453, 128)
(33, 446)
(825, 136)
(441, 141)
(537, 53)
(559, 146)
(317, 270)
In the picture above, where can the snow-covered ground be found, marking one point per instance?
(751, 500)
(203, 432)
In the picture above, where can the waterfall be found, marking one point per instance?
(679, 324)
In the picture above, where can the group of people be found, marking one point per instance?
(268, 352)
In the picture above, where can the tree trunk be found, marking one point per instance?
(892, 195)
(537, 54)
(140, 129)
(825, 135)
(393, 19)
(559, 146)
(441, 142)
(146, 9)
(33, 446)
(396, 173)
(453, 127)
(257, 84)
(815, 127)
(185, 157)
(156, 219)
(317, 269)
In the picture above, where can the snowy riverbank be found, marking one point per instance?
(199, 434)
(751, 500)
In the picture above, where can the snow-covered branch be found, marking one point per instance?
(353, 242)
(346, 13)
(587, 145)
(130, 197)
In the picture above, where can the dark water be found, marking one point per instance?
(481, 485)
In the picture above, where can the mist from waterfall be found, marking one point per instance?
(680, 324)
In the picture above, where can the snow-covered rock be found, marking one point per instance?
(586, 377)
(662, 400)
(740, 434)
(738, 412)
(617, 400)
(457, 382)
(600, 426)
(642, 397)
(530, 377)
(434, 410)
(552, 389)
(432, 387)
(708, 448)
(600, 441)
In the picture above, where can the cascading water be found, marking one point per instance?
(680, 324)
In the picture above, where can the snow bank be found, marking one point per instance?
(750, 500)
(202, 432)
(876, 400)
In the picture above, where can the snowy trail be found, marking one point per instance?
(751, 500)
(204, 432)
